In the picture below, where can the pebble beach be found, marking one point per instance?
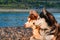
(15, 33)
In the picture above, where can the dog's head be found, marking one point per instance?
(31, 19)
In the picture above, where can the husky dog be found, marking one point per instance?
(39, 26)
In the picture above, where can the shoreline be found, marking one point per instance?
(52, 10)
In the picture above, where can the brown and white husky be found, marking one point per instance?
(39, 26)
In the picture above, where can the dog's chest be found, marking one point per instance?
(35, 32)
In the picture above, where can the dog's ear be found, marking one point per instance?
(44, 11)
(34, 13)
(32, 17)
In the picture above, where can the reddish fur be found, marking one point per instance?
(32, 17)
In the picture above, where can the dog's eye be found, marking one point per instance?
(33, 23)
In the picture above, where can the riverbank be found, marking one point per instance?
(52, 10)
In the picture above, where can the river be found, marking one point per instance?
(16, 19)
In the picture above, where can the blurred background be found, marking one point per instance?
(14, 13)
(29, 4)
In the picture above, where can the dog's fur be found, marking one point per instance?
(32, 19)
(31, 24)
(35, 23)
(51, 21)
(58, 34)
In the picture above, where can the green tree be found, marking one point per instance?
(2, 1)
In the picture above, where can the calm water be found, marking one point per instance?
(9, 19)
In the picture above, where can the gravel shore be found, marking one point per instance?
(15, 33)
